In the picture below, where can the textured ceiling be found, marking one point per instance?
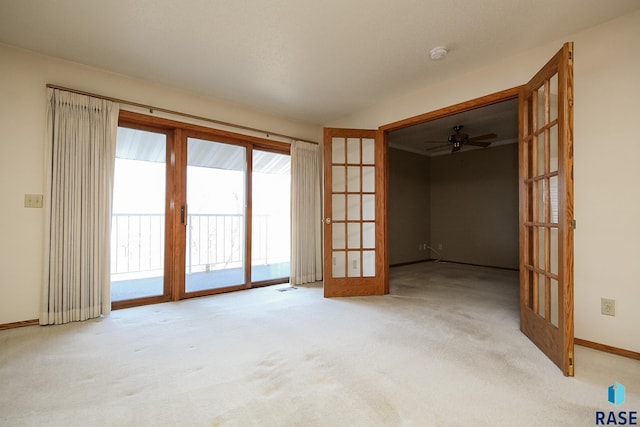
(307, 60)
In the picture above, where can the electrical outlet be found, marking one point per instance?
(608, 306)
(440, 246)
(33, 200)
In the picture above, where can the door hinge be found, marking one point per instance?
(570, 370)
(572, 224)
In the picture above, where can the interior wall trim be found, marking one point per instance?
(607, 348)
(478, 265)
(420, 261)
(13, 325)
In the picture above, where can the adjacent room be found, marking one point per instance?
(457, 206)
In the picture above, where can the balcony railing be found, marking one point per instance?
(214, 242)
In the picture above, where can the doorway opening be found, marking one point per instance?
(457, 204)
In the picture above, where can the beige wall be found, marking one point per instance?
(607, 149)
(465, 206)
(23, 76)
(474, 206)
(409, 207)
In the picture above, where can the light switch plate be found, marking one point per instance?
(33, 200)
(608, 306)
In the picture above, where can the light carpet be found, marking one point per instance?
(443, 349)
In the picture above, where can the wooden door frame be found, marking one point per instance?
(483, 101)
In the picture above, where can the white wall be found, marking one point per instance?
(23, 77)
(607, 153)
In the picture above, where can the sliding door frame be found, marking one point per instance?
(175, 230)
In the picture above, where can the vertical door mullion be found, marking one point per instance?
(248, 223)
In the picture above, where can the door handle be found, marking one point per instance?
(183, 214)
(327, 221)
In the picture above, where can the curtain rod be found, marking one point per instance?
(152, 108)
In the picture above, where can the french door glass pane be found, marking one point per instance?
(553, 243)
(368, 179)
(368, 207)
(353, 150)
(542, 294)
(339, 179)
(270, 234)
(353, 235)
(368, 263)
(553, 98)
(554, 302)
(541, 158)
(353, 183)
(138, 219)
(337, 152)
(541, 200)
(553, 199)
(368, 151)
(368, 235)
(354, 264)
(541, 248)
(338, 208)
(339, 264)
(353, 208)
(541, 102)
(338, 232)
(553, 149)
(216, 223)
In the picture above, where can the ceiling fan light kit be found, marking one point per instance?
(458, 139)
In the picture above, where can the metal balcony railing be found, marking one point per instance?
(214, 242)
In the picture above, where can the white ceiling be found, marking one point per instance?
(307, 60)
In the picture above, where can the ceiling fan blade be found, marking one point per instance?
(479, 143)
(487, 136)
(434, 142)
(437, 148)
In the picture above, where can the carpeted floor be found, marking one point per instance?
(443, 349)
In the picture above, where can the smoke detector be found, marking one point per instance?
(438, 53)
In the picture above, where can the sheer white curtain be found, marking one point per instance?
(80, 158)
(306, 214)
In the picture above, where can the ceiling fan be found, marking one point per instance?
(458, 139)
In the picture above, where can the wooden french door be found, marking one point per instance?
(546, 209)
(355, 261)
